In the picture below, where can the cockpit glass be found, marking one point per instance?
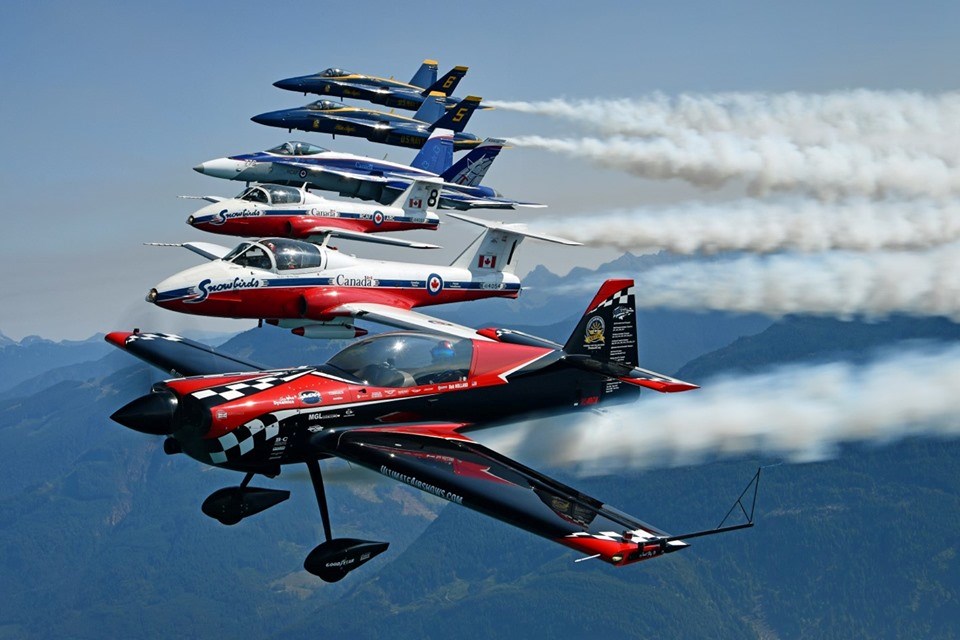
(406, 360)
(296, 149)
(323, 105)
(284, 195)
(255, 194)
(333, 73)
(293, 254)
(250, 255)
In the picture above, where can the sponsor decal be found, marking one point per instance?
(420, 484)
(363, 281)
(221, 414)
(621, 313)
(207, 286)
(310, 397)
(434, 284)
(224, 215)
(284, 400)
(378, 218)
(594, 332)
(487, 262)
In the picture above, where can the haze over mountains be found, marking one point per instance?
(101, 533)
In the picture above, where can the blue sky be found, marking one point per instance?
(107, 106)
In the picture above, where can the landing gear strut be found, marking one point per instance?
(336, 557)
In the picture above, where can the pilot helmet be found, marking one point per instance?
(443, 350)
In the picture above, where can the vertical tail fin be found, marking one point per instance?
(420, 199)
(496, 249)
(436, 155)
(426, 75)
(608, 329)
(456, 118)
(431, 109)
(472, 167)
(447, 84)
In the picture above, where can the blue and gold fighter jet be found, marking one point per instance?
(327, 116)
(388, 92)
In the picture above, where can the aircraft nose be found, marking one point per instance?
(290, 84)
(152, 414)
(220, 168)
(271, 119)
(152, 295)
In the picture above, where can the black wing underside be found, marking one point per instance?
(468, 473)
(179, 356)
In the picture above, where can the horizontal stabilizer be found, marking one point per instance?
(518, 229)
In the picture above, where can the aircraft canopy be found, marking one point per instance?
(333, 73)
(294, 148)
(276, 254)
(272, 194)
(323, 105)
(406, 359)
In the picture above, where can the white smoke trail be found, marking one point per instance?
(839, 284)
(766, 226)
(874, 118)
(766, 164)
(800, 411)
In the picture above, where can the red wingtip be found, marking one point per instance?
(118, 338)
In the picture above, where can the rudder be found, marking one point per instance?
(608, 329)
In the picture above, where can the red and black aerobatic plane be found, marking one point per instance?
(402, 404)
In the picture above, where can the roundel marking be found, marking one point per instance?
(378, 218)
(303, 173)
(434, 284)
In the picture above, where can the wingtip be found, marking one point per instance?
(118, 338)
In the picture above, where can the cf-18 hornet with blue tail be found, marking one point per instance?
(290, 212)
(353, 176)
(327, 116)
(318, 292)
(405, 405)
(388, 92)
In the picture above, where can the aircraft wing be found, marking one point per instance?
(213, 199)
(438, 459)
(178, 356)
(404, 319)
(318, 233)
(208, 250)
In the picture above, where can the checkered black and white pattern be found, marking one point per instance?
(228, 392)
(153, 336)
(243, 439)
(622, 297)
(613, 536)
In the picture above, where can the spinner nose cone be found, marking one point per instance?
(152, 414)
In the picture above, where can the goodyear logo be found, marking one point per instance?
(594, 331)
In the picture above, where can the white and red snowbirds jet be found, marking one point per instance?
(318, 292)
(291, 212)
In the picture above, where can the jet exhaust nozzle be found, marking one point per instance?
(152, 414)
